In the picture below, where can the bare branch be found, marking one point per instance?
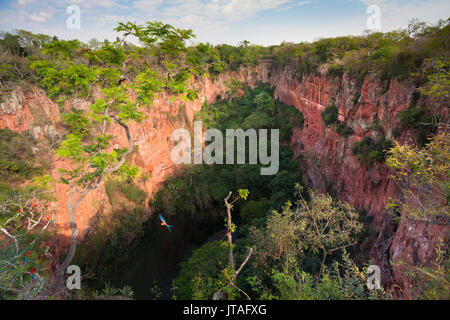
(244, 263)
(16, 243)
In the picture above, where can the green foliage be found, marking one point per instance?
(343, 129)
(243, 55)
(321, 225)
(66, 81)
(439, 80)
(77, 122)
(168, 44)
(258, 120)
(6, 72)
(265, 103)
(134, 193)
(205, 54)
(129, 190)
(17, 157)
(147, 86)
(61, 49)
(111, 293)
(432, 280)
(24, 229)
(423, 173)
(243, 193)
(254, 210)
(156, 291)
(382, 57)
(337, 283)
(200, 274)
(110, 54)
(128, 172)
(397, 53)
(282, 186)
(330, 115)
(22, 43)
(368, 151)
(419, 120)
(12, 43)
(91, 153)
(202, 188)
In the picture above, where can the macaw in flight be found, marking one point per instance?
(164, 223)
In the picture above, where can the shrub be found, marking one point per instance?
(258, 120)
(75, 79)
(419, 120)
(368, 151)
(415, 118)
(134, 193)
(199, 274)
(255, 209)
(16, 157)
(292, 114)
(343, 129)
(330, 115)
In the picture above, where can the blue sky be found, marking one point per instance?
(262, 22)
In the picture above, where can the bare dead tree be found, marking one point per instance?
(235, 273)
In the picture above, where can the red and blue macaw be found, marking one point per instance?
(164, 223)
(27, 255)
(32, 274)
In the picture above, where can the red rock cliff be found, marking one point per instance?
(328, 163)
(327, 160)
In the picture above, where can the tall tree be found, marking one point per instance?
(88, 145)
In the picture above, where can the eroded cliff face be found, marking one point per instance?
(327, 162)
(28, 109)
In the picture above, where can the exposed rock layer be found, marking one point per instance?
(328, 164)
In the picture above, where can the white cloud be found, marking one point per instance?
(220, 9)
(42, 16)
(302, 3)
(24, 2)
(218, 21)
(90, 3)
(109, 20)
(147, 5)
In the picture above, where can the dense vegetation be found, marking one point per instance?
(65, 68)
(25, 221)
(369, 151)
(393, 54)
(299, 254)
(294, 258)
(201, 188)
(17, 158)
